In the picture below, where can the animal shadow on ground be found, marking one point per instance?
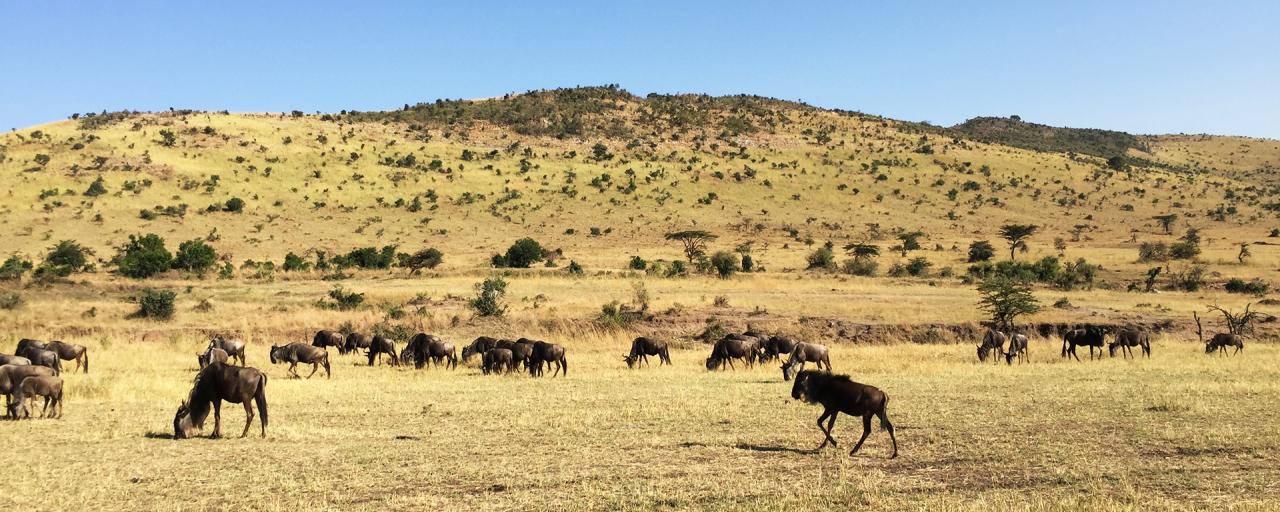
(159, 435)
(773, 449)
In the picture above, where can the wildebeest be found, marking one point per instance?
(299, 352)
(71, 352)
(642, 348)
(46, 386)
(802, 353)
(551, 354)
(481, 345)
(1018, 345)
(521, 351)
(215, 383)
(426, 348)
(26, 344)
(43, 357)
(326, 338)
(1091, 337)
(495, 359)
(379, 345)
(356, 341)
(992, 342)
(733, 346)
(11, 376)
(233, 347)
(211, 355)
(1130, 337)
(839, 394)
(14, 360)
(1221, 341)
(775, 346)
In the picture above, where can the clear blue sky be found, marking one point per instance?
(1157, 67)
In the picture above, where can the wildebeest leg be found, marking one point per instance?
(826, 431)
(314, 367)
(217, 418)
(1072, 353)
(866, 431)
(248, 416)
(291, 370)
(885, 424)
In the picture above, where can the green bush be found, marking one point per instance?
(574, 268)
(368, 258)
(13, 268)
(66, 258)
(748, 264)
(1153, 251)
(144, 257)
(234, 205)
(97, 188)
(1253, 287)
(489, 299)
(345, 300)
(428, 258)
(637, 263)
(195, 256)
(294, 263)
(523, 253)
(725, 263)
(918, 267)
(10, 300)
(860, 266)
(156, 304)
(981, 250)
(822, 259)
(1191, 279)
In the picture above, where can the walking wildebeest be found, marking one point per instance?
(428, 348)
(838, 394)
(378, 346)
(495, 359)
(776, 346)
(1091, 337)
(1018, 345)
(14, 360)
(211, 355)
(71, 352)
(46, 386)
(233, 347)
(802, 353)
(299, 352)
(327, 338)
(481, 345)
(992, 341)
(551, 354)
(215, 383)
(733, 346)
(1221, 341)
(1130, 337)
(43, 357)
(11, 376)
(356, 341)
(642, 348)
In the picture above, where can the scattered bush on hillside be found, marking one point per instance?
(1252, 287)
(13, 268)
(143, 257)
(195, 256)
(523, 253)
(490, 297)
(725, 263)
(154, 304)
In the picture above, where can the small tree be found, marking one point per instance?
(1005, 300)
(523, 253)
(1244, 252)
(981, 250)
(1187, 247)
(155, 304)
(13, 268)
(695, 242)
(294, 263)
(195, 256)
(428, 258)
(908, 242)
(1166, 221)
(1238, 323)
(234, 205)
(637, 263)
(489, 299)
(821, 258)
(97, 188)
(143, 257)
(66, 258)
(1017, 235)
(725, 263)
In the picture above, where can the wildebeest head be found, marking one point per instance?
(1111, 347)
(274, 349)
(788, 370)
(800, 390)
(1008, 357)
(712, 363)
(182, 422)
(631, 361)
(982, 353)
(1208, 347)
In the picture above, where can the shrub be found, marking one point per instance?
(918, 267)
(428, 258)
(822, 259)
(195, 256)
(981, 250)
(234, 205)
(637, 263)
(367, 258)
(1253, 287)
(678, 268)
(13, 268)
(10, 300)
(523, 253)
(66, 258)
(294, 263)
(345, 300)
(144, 257)
(614, 314)
(1153, 251)
(1191, 279)
(860, 266)
(157, 304)
(227, 271)
(574, 268)
(748, 264)
(97, 188)
(489, 299)
(725, 263)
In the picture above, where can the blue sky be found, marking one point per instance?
(1157, 67)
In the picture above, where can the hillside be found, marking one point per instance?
(603, 174)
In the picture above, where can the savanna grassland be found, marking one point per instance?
(599, 177)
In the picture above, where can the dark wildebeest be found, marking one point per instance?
(642, 348)
(775, 346)
(521, 351)
(426, 348)
(27, 344)
(211, 355)
(46, 386)
(11, 376)
(357, 341)
(14, 360)
(299, 352)
(992, 343)
(1091, 337)
(805, 353)
(1018, 345)
(71, 352)
(481, 345)
(215, 383)
(1221, 341)
(233, 347)
(326, 338)
(379, 345)
(551, 354)
(1130, 337)
(838, 394)
(495, 359)
(43, 357)
(733, 346)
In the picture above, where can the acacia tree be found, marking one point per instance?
(1017, 235)
(1166, 221)
(1244, 252)
(908, 242)
(1006, 299)
(862, 251)
(695, 242)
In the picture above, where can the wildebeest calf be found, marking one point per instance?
(802, 353)
(211, 355)
(298, 352)
(1017, 349)
(839, 394)
(233, 347)
(495, 360)
(12, 375)
(46, 386)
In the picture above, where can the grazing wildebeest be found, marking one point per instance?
(233, 347)
(378, 346)
(992, 342)
(733, 346)
(551, 354)
(26, 344)
(1091, 337)
(642, 348)
(11, 376)
(839, 394)
(211, 355)
(327, 338)
(46, 386)
(1130, 337)
(71, 352)
(495, 359)
(481, 345)
(215, 383)
(299, 352)
(1017, 349)
(775, 346)
(802, 353)
(14, 360)
(426, 348)
(43, 357)
(357, 341)
(1221, 341)
(521, 351)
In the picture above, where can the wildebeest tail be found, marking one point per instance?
(260, 398)
(564, 365)
(884, 414)
(327, 372)
(86, 360)
(1064, 347)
